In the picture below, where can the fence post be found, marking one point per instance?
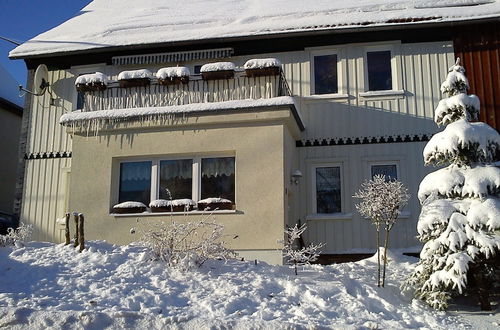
(75, 216)
(66, 231)
(81, 237)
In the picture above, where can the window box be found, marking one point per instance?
(218, 70)
(261, 67)
(173, 81)
(134, 78)
(91, 82)
(176, 205)
(211, 204)
(173, 75)
(129, 207)
(91, 87)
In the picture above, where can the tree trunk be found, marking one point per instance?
(75, 217)
(81, 236)
(66, 230)
(386, 244)
(478, 272)
(378, 256)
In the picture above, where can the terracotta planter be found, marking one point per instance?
(124, 210)
(173, 81)
(261, 72)
(138, 82)
(216, 75)
(214, 206)
(93, 87)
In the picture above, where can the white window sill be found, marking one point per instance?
(382, 93)
(152, 214)
(329, 216)
(326, 97)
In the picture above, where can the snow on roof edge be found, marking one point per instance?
(410, 22)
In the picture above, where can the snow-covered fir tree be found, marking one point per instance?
(460, 202)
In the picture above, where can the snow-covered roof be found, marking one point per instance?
(115, 23)
(9, 88)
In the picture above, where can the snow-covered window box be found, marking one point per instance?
(262, 67)
(173, 75)
(129, 207)
(91, 82)
(135, 78)
(327, 188)
(217, 70)
(173, 184)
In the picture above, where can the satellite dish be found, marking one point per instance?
(41, 81)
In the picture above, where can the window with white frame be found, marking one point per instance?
(389, 170)
(379, 70)
(193, 178)
(327, 189)
(325, 75)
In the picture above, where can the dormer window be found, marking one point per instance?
(379, 70)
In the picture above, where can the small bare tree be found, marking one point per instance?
(303, 256)
(381, 202)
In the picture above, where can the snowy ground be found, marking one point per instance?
(44, 285)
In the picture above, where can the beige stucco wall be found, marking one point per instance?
(262, 179)
(10, 129)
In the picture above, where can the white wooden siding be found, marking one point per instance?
(45, 180)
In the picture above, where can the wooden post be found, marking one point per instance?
(66, 230)
(81, 237)
(75, 216)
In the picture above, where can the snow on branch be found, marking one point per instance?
(461, 142)
(454, 181)
(301, 256)
(460, 106)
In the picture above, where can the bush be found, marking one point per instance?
(16, 236)
(186, 245)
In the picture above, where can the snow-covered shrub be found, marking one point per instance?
(382, 201)
(186, 245)
(17, 236)
(460, 203)
(302, 256)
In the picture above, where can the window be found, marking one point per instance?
(217, 178)
(193, 178)
(325, 74)
(197, 69)
(135, 182)
(328, 189)
(389, 170)
(379, 70)
(176, 176)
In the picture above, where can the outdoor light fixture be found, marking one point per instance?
(296, 175)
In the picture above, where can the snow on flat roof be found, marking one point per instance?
(9, 88)
(112, 23)
(134, 113)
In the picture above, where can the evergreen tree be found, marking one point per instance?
(460, 202)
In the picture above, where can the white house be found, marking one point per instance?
(355, 96)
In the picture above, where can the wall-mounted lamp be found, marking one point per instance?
(296, 175)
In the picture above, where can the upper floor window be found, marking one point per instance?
(379, 70)
(325, 74)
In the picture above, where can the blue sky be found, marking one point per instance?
(23, 19)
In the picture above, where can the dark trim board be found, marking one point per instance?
(261, 44)
(346, 141)
(48, 155)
